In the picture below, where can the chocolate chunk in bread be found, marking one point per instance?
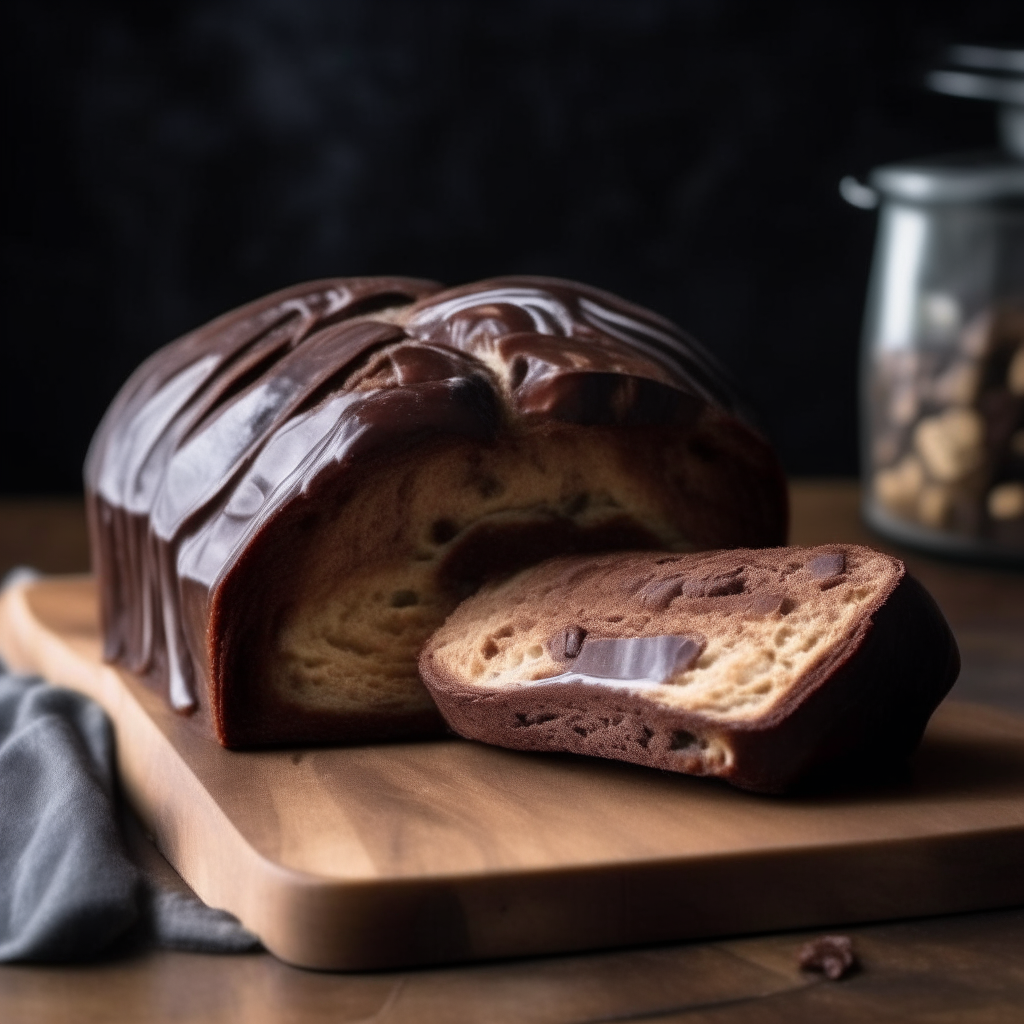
(828, 568)
(574, 636)
(749, 671)
(287, 502)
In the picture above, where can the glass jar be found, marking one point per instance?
(942, 387)
(942, 369)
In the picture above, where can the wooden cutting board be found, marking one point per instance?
(415, 853)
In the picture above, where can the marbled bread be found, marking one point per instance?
(285, 503)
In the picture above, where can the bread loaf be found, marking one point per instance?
(287, 502)
(763, 668)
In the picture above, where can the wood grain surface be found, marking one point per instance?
(966, 967)
(48, 534)
(401, 854)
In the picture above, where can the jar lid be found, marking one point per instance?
(967, 178)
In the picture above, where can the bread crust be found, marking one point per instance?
(857, 707)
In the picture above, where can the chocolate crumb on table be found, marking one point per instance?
(831, 955)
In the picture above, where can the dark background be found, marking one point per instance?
(164, 162)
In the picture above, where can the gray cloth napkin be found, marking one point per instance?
(68, 889)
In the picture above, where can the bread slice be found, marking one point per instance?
(761, 667)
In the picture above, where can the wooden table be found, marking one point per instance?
(969, 967)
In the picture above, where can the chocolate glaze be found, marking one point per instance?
(222, 441)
